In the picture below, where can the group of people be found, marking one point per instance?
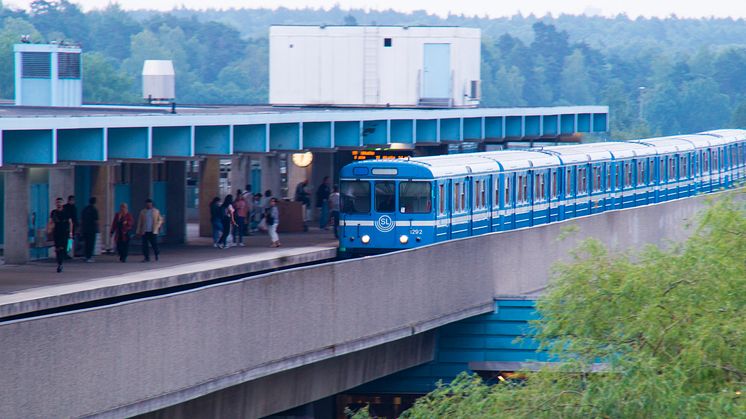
(243, 215)
(327, 203)
(63, 227)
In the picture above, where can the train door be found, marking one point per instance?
(459, 209)
(443, 217)
(554, 178)
(385, 214)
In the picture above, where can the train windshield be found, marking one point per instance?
(355, 197)
(414, 197)
(385, 196)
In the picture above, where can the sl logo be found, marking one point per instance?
(384, 224)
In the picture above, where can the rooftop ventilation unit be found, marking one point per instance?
(47, 75)
(158, 81)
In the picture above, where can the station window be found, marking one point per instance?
(387, 42)
(507, 196)
(385, 196)
(441, 199)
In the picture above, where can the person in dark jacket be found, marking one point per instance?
(60, 227)
(120, 230)
(72, 212)
(216, 219)
(89, 228)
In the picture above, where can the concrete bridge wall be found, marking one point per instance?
(140, 356)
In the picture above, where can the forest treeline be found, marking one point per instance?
(658, 76)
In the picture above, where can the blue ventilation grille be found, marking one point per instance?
(36, 65)
(68, 65)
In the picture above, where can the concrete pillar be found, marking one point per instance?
(16, 208)
(141, 186)
(271, 174)
(62, 185)
(102, 188)
(239, 175)
(209, 187)
(176, 222)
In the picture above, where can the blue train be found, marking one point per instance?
(399, 204)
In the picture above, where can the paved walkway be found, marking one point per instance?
(36, 285)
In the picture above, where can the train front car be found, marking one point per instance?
(385, 205)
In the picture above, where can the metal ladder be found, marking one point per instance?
(371, 85)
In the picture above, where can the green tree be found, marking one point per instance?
(10, 34)
(668, 324)
(577, 86)
(103, 82)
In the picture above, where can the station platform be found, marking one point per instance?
(36, 287)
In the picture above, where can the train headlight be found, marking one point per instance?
(365, 239)
(403, 239)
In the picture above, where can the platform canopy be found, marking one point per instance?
(95, 134)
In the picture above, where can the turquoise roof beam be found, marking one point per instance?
(375, 132)
(317, 135)
(599, 122)
(584, 122)
(550, 125)
(567, 124)
(402, 131)
(473, 129)
(493, 128)
(250, 138)
(427, 131)
(213, 140)
(128, 143)
(172, 142)
(84, 145)
(347, 133)
(29, 147)
(450, 129)
(285, 136)
(514, 126)
(532, 126)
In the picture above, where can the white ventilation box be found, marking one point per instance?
(158, 81)
(48, 75)
(374, 66)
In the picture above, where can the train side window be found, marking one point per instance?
(441, 199)
(456, 195)
(521, 190)
(641, 178)
(597, 178)
(618, 175)
(627, 175)
(582, 181)
(671, 168)
(706, 161)
(463, 197)
(476, 194)
(507, 197)
(554, 184)
(483, 192)
(414, 197)
(568, 181)
(608, 176)
(385, 196)
(538, 187)
(683, 168)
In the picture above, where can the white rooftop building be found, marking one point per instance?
(374, 66)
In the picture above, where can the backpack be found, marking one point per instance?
(269, 217)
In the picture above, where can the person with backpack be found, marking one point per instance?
(216, 220)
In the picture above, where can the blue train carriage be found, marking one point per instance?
(736, 152)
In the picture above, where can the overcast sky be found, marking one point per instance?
(494, 8)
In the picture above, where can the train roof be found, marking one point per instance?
(509, 160)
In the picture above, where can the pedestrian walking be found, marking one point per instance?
(227, 217)
(120, 231)
(72, 212)
(242, 210)
(322, 203)
(89, 228)
(148, 225)
(60, 227)
(334, 209)
(265, 200)
(273, 220)
(216, 219)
